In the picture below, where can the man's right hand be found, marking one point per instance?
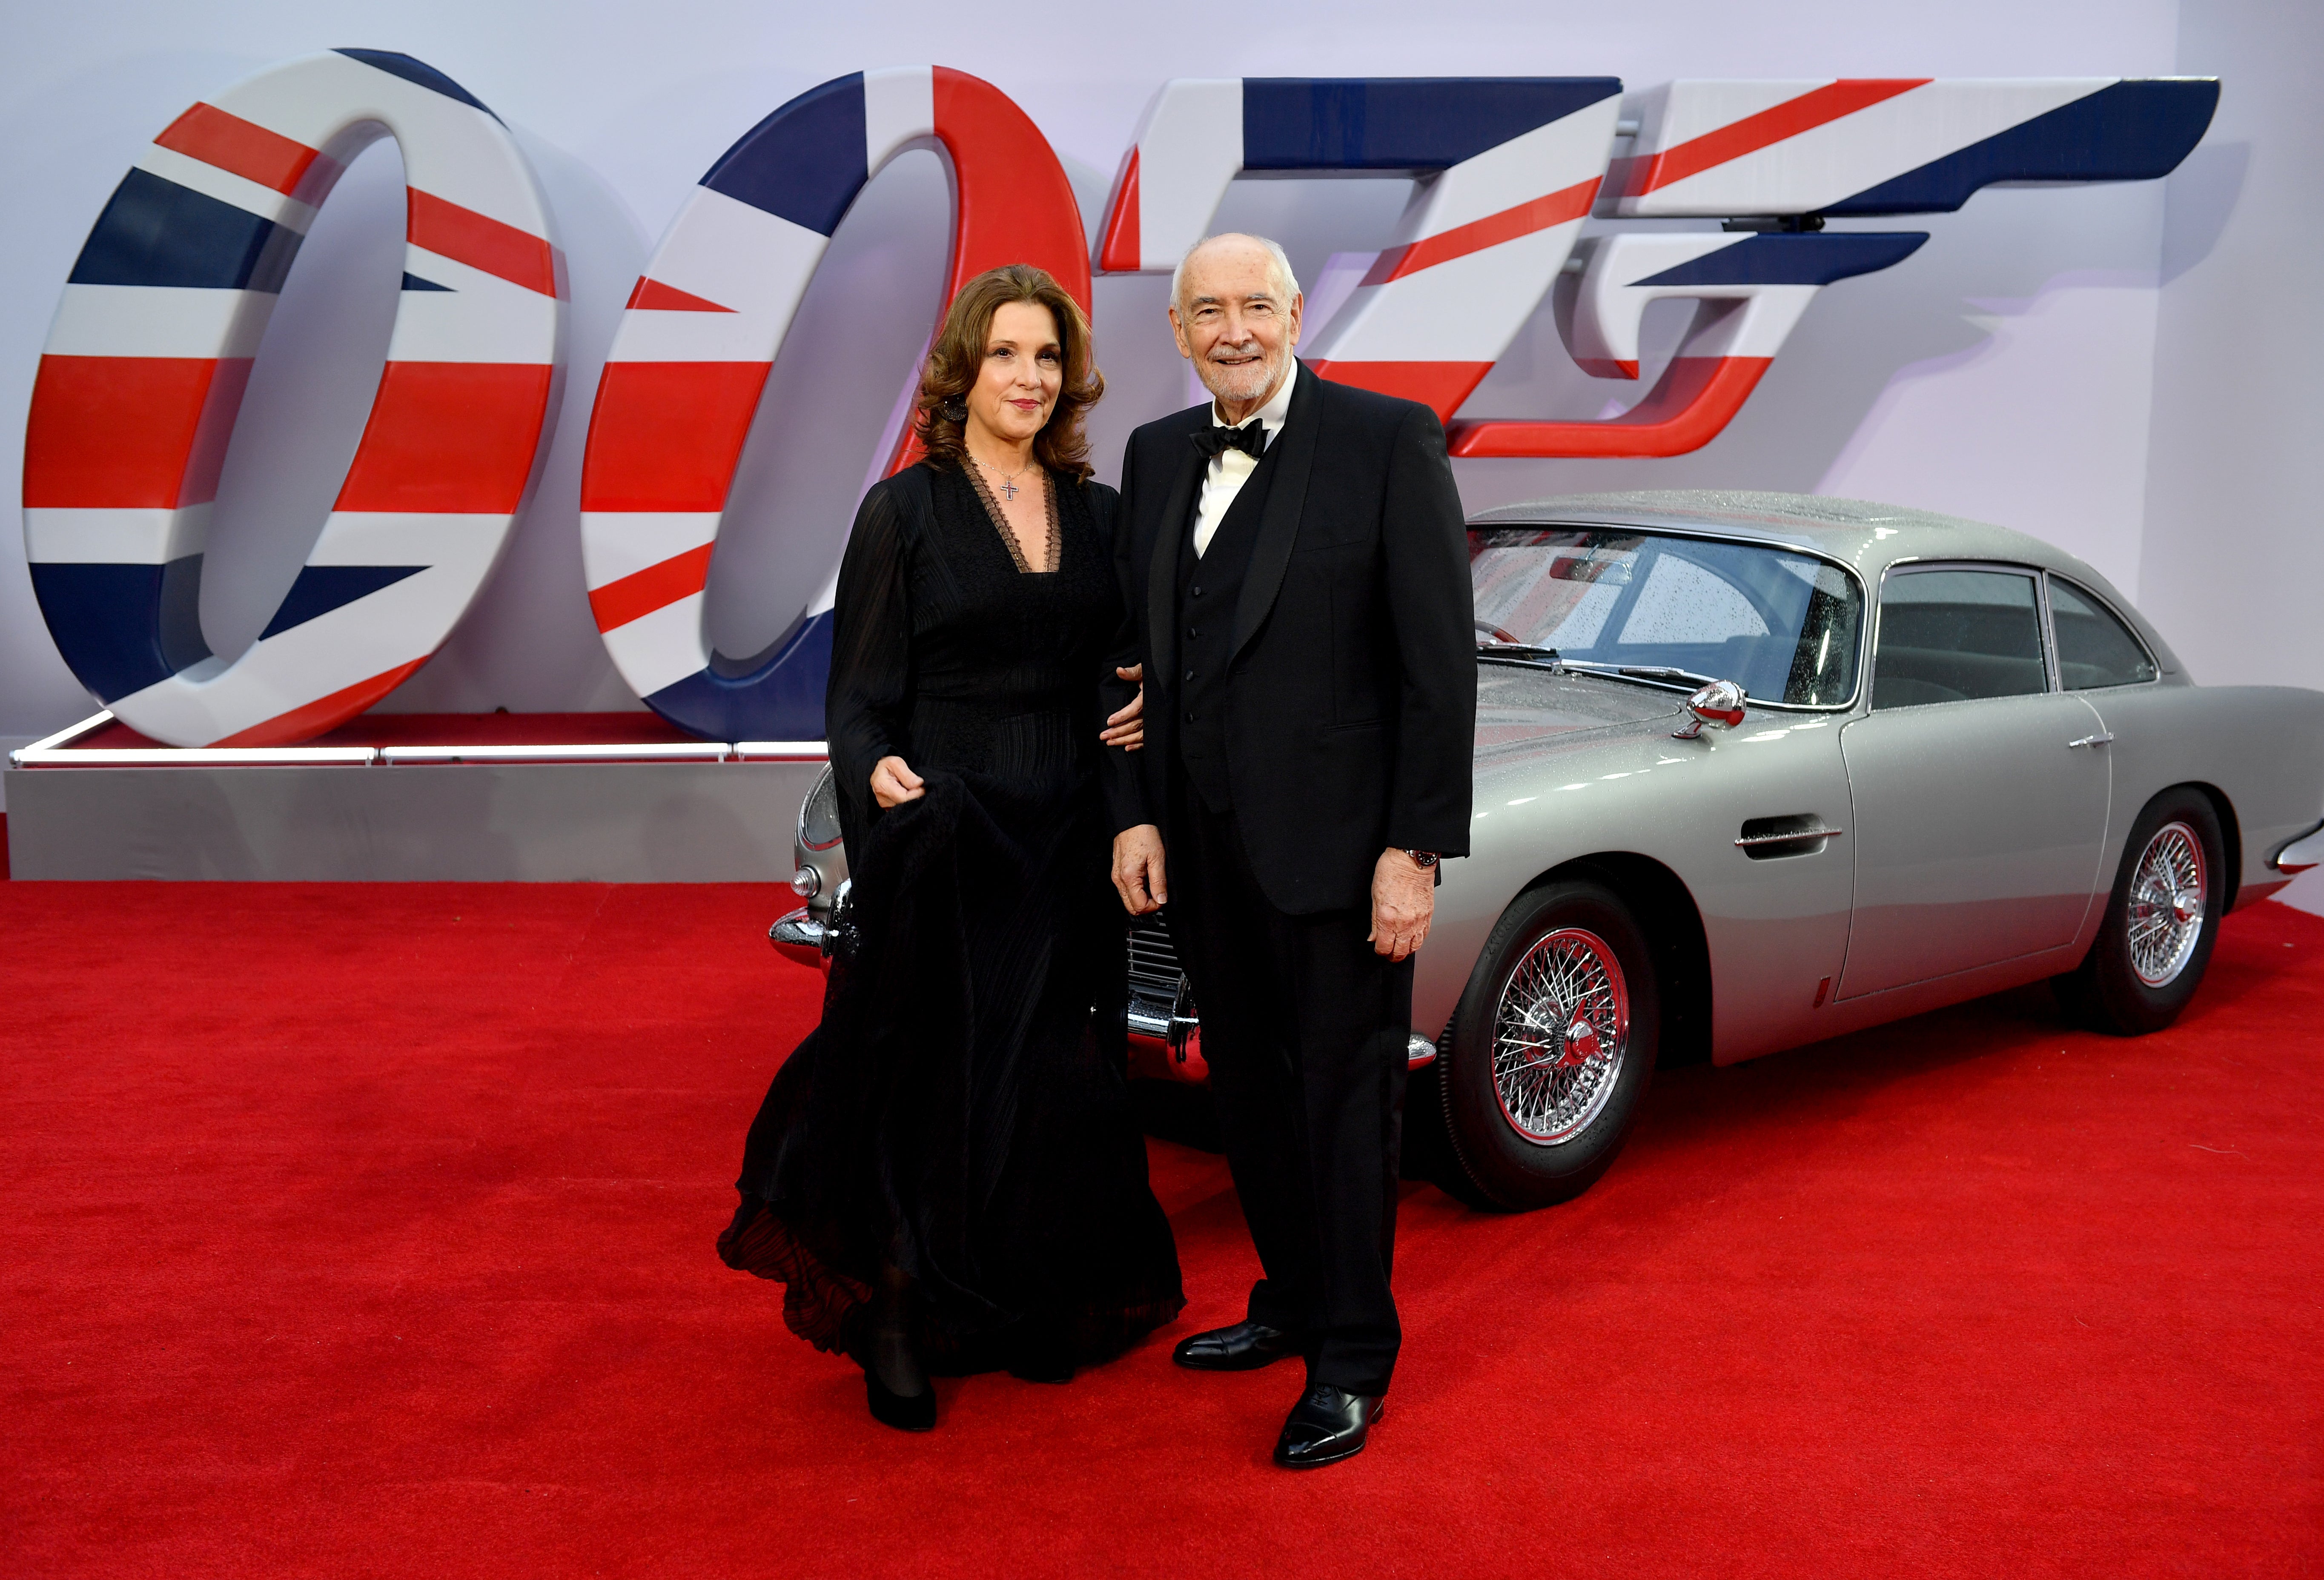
(1137, 869)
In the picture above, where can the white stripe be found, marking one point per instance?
(621, 543)
(397, 537)
(406, 619)
(899, 107)
(1465, 309)
(1548, 158)
(1191, 150)
(482, 319)
(449, 150)
(1693, 107)
(756, 263)
(1857, 152)
(209, 179)
(660, 648)
(159, 320)
(114, 537)
(655, 335)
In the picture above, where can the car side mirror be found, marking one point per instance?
(1720, 703)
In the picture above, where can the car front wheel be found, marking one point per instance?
(2161, 918)
(1552, 1048)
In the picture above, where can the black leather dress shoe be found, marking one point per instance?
(1243, 1348)
(1326, 1426)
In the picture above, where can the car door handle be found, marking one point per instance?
(2100, 739)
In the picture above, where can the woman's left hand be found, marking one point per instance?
(1127, 729)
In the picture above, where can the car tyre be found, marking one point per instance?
(2162, 919)
(1553, 1047)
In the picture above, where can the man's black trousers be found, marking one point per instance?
(1304, 1027)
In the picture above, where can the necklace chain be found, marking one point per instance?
(1007, 483)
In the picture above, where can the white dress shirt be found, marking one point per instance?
(1230, 469)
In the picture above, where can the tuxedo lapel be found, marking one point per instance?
(1162, 570)
(1287, 497)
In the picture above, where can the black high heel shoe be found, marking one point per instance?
(915, 1412)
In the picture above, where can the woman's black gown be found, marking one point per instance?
(960, 1112)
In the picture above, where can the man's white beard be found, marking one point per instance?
(1251, 382)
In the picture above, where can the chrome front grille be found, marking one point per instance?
(1154, 965)
(1158, 985)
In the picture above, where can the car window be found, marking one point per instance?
(1950, 635)
(2094, 648)
(1780, 624)
(1683, 602)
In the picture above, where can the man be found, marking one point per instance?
(1294, 562)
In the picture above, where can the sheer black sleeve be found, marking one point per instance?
(1119, 773)
(866, 709)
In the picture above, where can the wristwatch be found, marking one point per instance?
(1424, 860)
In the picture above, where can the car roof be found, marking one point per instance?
(1863, 533)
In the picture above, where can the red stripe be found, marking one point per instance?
(450, 437)
(654, 296)
(665, 436)
(211, 136)
(1439, 385)
(1814, 108)
(312, 718)
(481, 242)
(640, 593)
(1696, 399)
(1118, 251)
(129, 432)
(1508, 226)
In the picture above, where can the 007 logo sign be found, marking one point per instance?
(152, 343)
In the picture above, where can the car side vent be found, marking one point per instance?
(1800, 833)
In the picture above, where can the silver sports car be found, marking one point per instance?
(1754, 770)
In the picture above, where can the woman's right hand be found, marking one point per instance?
(893, 782)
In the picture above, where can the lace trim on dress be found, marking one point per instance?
(1053, 554)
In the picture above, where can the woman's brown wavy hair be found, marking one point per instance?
(958, 357)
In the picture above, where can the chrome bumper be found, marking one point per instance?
(1166, 1034)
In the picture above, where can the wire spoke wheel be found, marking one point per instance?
(1561, 1029)
(2169, 895)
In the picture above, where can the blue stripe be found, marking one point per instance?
(781, 700)
(123, 628)
(805, 163)
(413, 282)
(1399, 123)
(321, 589)
(2133, 131)
(155, 232)
(1794, 260)
(418, 72)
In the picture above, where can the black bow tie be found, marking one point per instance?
(1214, 441)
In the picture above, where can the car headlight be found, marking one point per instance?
(818, 817)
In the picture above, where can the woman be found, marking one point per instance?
(945, 1172)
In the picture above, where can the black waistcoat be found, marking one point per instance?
(1208, 589)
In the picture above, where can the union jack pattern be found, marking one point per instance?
(151, 349)
(692, 355)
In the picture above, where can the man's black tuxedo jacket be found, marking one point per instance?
(1352, 697)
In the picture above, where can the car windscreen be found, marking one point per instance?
(1780, 624)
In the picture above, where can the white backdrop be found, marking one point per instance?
(2008, 371)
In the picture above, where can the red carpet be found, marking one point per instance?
(366, 1230)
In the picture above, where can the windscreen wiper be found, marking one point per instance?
(1516, 652)
(1662, 673)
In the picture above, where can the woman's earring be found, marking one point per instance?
(954, 410)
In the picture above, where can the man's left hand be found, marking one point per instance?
(1404, 899)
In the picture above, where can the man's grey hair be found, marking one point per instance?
(1286, 282)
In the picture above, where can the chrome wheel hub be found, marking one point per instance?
(1560, 1030)
(2168, 895)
